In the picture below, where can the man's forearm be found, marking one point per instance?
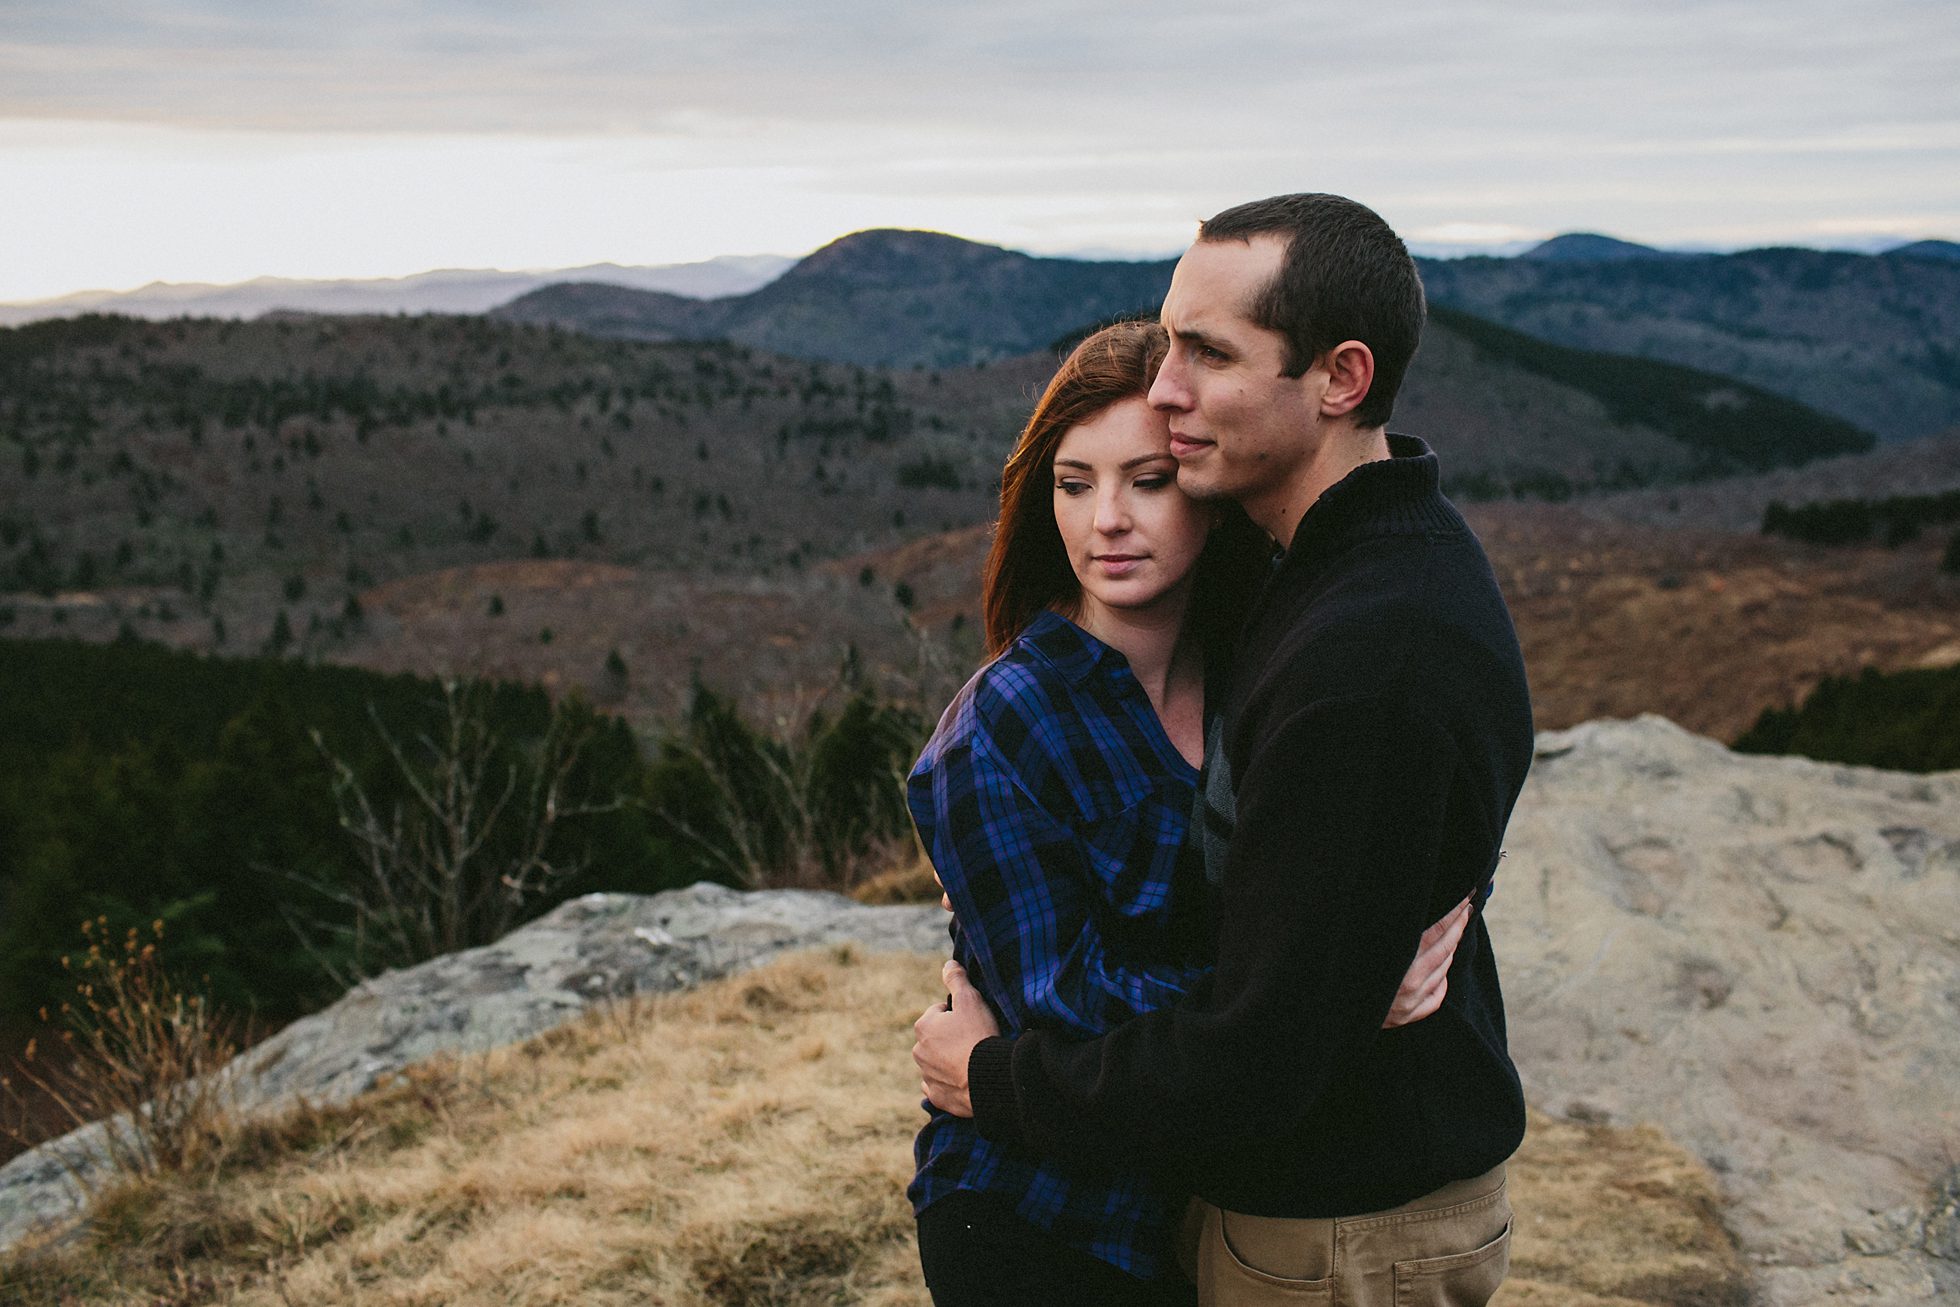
(990, 1083)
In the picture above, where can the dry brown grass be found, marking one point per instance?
(909, 881)
(1610, 1217)
(1705, 628)
(745, 1143)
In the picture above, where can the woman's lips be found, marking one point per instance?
(1118, 564)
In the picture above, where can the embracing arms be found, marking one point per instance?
(1327, 893)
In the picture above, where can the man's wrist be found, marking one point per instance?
(990, 1086)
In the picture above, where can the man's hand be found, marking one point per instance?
(1428, 977)
(945, 1040)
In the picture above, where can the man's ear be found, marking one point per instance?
(1350, 375)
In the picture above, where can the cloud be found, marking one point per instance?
(1102, 70)
(1050, 127)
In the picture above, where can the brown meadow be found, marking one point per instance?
(748, 1142)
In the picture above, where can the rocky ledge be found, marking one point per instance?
(1761, 956)
(599, 947)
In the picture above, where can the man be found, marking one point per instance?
(1374, 740)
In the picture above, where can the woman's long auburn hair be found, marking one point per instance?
(1028, 569)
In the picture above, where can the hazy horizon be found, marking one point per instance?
(1851, 244)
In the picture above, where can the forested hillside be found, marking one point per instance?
(235, 472)
(1905, 720)
(246, 487)
(1873, 339)
(295, 826)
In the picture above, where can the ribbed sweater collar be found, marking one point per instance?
(1397, 495)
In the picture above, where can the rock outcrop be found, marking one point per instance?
(1760, 955)
(598, 947)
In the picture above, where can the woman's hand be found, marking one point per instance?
(1428, 977)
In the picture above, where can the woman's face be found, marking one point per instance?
(1132, 537)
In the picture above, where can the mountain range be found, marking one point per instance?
(456, 491)
(1872, 339)
(449, 290)
(884, 298)
(450, 492)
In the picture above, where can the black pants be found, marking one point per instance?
(976, 1252)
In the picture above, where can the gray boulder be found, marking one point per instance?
(1762, 956)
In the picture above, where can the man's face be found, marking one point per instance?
(1239, 428)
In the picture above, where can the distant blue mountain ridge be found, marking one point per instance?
(1926, 250)
(475, 290)
(1591, 247)
(1874, 340)
(1871, 338)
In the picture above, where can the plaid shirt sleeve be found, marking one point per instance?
(1024, 900)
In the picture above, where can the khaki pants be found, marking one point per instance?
(1446, 1249)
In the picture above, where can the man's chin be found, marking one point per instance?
(1199, 485)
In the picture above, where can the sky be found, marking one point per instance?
(218, 140)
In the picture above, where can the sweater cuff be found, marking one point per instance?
(990, 1084)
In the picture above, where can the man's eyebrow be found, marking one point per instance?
(1192, 335)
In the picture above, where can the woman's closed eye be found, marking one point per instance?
(1155, 481)
(1072, 487)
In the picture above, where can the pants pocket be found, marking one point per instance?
(1459, 1280)
(1230, 1275)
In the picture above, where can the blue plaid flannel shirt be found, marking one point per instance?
(1054, 808)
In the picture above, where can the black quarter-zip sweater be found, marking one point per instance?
(1378, 729)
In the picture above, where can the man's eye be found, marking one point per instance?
(1211, 354)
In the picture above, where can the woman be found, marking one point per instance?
(1054, 800)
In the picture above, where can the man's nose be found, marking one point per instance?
(1168, 392)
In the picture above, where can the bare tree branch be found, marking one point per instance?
(455, 863)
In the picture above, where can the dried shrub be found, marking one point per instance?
(137, 1052)
(476, 838)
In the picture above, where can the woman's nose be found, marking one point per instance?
(1112, 516)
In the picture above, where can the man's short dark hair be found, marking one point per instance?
(1346, 276)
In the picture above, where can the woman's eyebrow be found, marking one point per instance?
(1124, 466)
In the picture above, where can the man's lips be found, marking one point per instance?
(1182, 445)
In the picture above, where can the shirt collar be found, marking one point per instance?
(1391, 496)
(1069, 649)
